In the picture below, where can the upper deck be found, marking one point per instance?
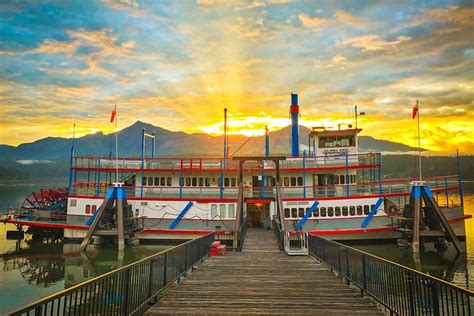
(331, 161)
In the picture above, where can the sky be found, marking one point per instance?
(178, 64)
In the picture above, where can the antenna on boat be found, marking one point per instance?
(225, 138)
(112, 118)
(71, 158)
(267, 142)
(416, 111)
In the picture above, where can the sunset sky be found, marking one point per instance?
(177, 64)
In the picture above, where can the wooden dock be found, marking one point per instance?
(262, 280)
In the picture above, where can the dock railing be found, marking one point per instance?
(126, 290)
(401, 290)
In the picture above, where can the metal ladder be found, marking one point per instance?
(299, 247)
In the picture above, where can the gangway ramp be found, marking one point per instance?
(262, 280)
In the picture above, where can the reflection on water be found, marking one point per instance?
(447, 265)
(31, 269)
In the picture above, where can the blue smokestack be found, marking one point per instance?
(295, 111)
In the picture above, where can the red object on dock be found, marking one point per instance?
(217, 249)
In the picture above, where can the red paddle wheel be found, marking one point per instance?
(53, 200)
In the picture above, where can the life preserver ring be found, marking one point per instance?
(391, 210)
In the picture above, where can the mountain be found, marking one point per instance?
(368, 143)
(5, 149)
(171, 144)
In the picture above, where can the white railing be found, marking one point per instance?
(299, 247)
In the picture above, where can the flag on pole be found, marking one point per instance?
(112, 116)
(415, 111)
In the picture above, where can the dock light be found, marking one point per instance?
(357, 114)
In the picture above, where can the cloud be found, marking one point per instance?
(336, 61)
(263, 3)
(310, 22)
(373, 42)
(347, 19)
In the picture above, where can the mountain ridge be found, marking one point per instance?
(172, 144)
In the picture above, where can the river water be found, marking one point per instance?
(31, 270)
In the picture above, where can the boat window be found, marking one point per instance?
(316, 212)
(330, 211)
(322, 212)
(294, 212)
(366, 209)
(169, 181)
(359, 209)
(345, 211)
(226, 182)
(353, 178)
(150, 181)
(301, 212)
(163, 181)
(233, 181)
(300, 181)
(222, 211)
(144, 181)
(306, 211)
(231, 210)
(342, 179)
(207, 182)
(372, 207)
(286, 181)
(337, 211)
(287, 212)
(213, 210)
(336, 180)
(88, 209)
(180, 182)
(293, 181)
(188, 181)
(194, 182)
(352, 210)
(201, 182)
(157, 181)
(94, 208)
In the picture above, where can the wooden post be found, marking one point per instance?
(416, 219)
(120, 214)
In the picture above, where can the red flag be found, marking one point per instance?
(415, 111)
(112, 116)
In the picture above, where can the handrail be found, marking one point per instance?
(126, 290)
(400, 289)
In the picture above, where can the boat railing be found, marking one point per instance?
(401, 290)
(386, 188)
(127, 290)
(369, 160)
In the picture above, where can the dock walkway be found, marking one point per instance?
(262, 280)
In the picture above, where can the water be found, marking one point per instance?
(31, 270)
(447, 265)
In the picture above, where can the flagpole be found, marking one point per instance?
(419, 139)
(116, 145)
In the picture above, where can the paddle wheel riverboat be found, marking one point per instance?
(179, 198)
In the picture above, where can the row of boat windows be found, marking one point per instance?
(158, 181)
(336, 141)
(223, 210)
(329, 211)
(232, 182)
(90, 209)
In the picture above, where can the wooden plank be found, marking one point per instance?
(263, 283)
